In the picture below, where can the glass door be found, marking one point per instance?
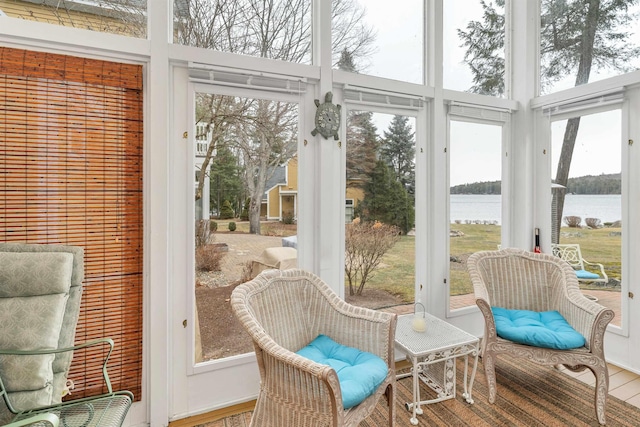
(587, 200)
(380, 194)
(234, 212)
(475, 199)
(245, 191)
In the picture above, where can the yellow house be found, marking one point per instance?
(126, 18)
(353, 196)
(280, 200)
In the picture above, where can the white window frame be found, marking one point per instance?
(563, 109)
(485, 115)
(395, 103)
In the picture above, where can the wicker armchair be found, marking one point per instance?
(516, 279)
(284, 311)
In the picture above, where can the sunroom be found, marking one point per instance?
(126, 126)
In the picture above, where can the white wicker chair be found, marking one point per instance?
(516, 279)
(285, 310)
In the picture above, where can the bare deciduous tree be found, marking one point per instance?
(365, 245)
(261, 131)
(264, 133)
(265, 139)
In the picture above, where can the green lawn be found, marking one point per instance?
(396, 273)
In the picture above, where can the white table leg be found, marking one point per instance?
(467, 394)
(415, 405)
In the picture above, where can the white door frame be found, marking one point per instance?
(195, 386)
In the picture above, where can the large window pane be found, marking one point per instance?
(587, 206)
(473, 42)
(380, 200)
(277, 29)
(582, 42)
(475, 212)
(378, 38)
(124, 17)
(246, 192)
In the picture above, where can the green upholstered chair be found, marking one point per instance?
(40, 293)
(42, 420)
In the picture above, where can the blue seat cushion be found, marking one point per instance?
(359, 372)
(584, 274)
(546, 329)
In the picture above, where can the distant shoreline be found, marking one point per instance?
(605, 184)
(487, 208)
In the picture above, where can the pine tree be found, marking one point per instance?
(398, 151)
(244, 216)
(226, 183)
(362, 145)
(386, 200)
(576, 37)
(347, 62)
(226, 211)
(362, 135)
(485, 49)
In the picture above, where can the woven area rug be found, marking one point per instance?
(528, 395)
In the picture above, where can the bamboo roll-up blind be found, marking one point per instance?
(71, 173)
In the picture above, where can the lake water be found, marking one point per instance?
(607, 208)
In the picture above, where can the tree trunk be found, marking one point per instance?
(571, 130)
(254, 214)
(564, 163)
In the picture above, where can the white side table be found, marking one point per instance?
(432, 355)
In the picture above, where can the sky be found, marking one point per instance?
(399, 39)
(598, 148)
(399, 56)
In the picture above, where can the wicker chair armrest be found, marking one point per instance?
(587, 317)
(299, 380)
(483, 302)
(489, 321)
(480, 290)
(596, 337)
(359, 313)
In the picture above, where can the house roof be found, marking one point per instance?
(97, 7)
(279, 177)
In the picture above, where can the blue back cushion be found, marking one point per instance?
(359, 372)
(546, 329)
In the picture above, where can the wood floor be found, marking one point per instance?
(623, 384)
